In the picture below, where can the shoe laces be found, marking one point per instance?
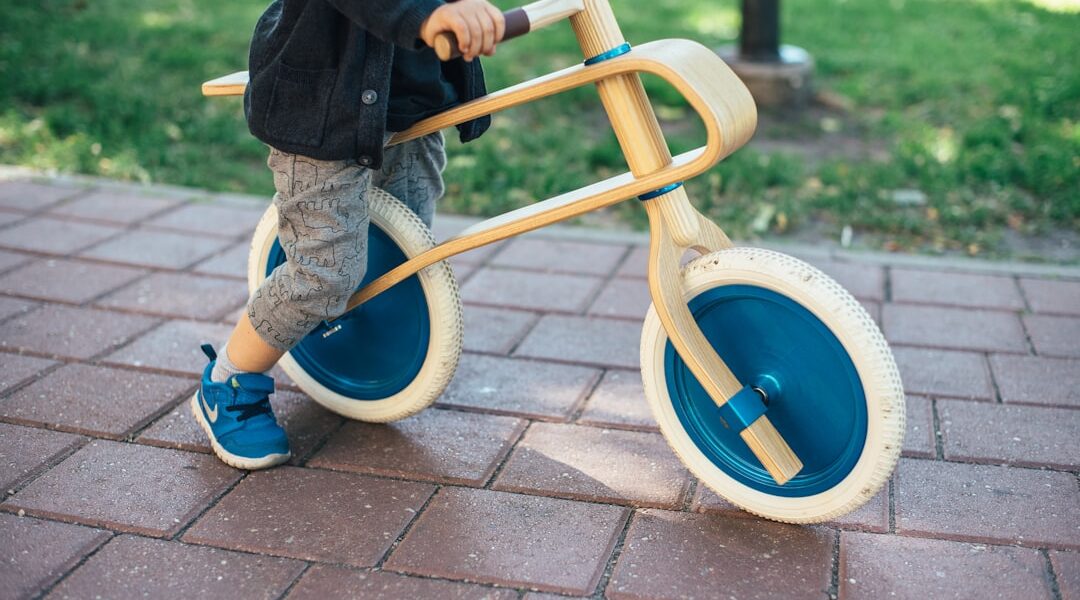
(256, 389)
(250, 409)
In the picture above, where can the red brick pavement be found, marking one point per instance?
(540, 474)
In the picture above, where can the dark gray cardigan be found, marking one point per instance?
(320, 75)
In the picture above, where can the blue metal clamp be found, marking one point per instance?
(616, 51)
(742, 409)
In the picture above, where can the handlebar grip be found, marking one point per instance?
(517, 24)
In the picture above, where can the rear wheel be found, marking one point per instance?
(833, 389)
(393, 355)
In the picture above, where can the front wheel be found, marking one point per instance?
(833, 389)
(393, 355)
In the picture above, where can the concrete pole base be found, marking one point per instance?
(783, 84)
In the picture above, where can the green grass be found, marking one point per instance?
(971, 106)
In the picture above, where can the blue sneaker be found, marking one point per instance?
(236, 416)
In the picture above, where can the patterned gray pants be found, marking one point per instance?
(323, 228)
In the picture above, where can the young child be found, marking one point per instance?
(329, 79)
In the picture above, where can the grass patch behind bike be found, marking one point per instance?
(949, 125)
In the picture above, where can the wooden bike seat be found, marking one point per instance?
(229, 85)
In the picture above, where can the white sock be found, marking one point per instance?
(223, 368)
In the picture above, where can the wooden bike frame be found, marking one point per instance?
(729, 116)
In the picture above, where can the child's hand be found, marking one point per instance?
(477, 25)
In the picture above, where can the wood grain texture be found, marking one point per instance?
(228, 85)
(596, 29)
(548, 12)
(725, 106)
(666, 287)
(729, 116)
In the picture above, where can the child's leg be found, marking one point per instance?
(322, 226)
(246, 352)
(412, 173)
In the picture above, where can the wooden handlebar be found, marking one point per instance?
(517, 24)
(519, 21)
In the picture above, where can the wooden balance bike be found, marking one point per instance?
(770, 381)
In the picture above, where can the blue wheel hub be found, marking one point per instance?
(814, 396)
(381, 344)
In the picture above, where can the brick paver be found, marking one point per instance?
(600, 342)
(337, 582)
(173, 346)
(495, 330)
(233, 262)
(138, 567)
(519, 387)
(16, 368)
(207, 218)
(1054, 336)
(560, 256)
(1052, 297)
(872, 516)
(10, 260)
(954, 328)
(306, 423)
(462, 270)
(636, 264)
(955, 289)
(531, 291)
(123, 207)
(162, 249)
(54, 236)
(599, 465)
(865, 282)
(35, 553)
(1067, 569)
(7, 217)
(1021, 435)
(989, 504)
(437, 445)
(511, 539)
(623, 298)
(537, 475)
(335, 517)
(180, 295)
(944, 373)
(920, 438)
(1037, 380)
(880, 566)
(25, 452)
(703, 556)
(27, 195)
(10, 307)
(66, 280)
(108, 484)
(619, 401)
(69, 331)
(100, 401)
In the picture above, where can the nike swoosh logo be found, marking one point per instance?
(210, 413)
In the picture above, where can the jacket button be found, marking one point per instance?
(364, 160)
(369, 97)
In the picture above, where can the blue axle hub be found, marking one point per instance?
(803, 377)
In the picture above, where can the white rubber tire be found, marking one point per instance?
(857, 333)
(444, 311)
